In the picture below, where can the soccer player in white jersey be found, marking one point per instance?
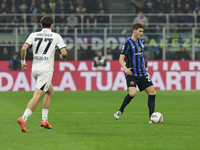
(43, 45)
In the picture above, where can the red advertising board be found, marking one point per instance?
(81, 75)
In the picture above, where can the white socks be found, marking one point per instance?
(45, 114)
(26, 114)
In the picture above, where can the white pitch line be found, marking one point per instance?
(51, 112)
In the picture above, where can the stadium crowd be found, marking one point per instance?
(51, 6)
(65, 24)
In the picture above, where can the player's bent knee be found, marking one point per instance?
(132, 94)
(152, 93)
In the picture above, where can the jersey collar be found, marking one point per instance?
(134, 40)
(46, 30)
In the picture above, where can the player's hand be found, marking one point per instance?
(24, 66)
(61, 57)
(128, 71)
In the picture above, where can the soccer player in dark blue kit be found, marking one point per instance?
(133, 53)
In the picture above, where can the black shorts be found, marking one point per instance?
(142, 82)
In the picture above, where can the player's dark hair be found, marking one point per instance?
(46, 21)
(137, 25)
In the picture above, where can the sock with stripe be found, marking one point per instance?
(45, 114)
(26, 114)
(151, 104)
(126, 101)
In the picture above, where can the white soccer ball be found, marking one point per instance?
(156, 117)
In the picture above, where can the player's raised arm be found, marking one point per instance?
(63, 54)
(23, 55)
(121, 61)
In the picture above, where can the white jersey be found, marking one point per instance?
(44, 44)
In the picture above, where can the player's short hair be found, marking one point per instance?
(46, 21)
(137, 25)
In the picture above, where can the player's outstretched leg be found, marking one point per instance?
(45, 110)
(126, 101)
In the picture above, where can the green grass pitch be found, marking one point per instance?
(83, 120)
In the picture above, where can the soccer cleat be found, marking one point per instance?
(22, 123)
(45, 124)
(117, 114)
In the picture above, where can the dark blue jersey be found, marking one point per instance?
(134, 52)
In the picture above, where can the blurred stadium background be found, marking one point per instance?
(171, 34)
(83, 120)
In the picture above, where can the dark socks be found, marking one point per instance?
(126, 101)
(151, 104)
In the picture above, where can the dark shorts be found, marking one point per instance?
(142, 82)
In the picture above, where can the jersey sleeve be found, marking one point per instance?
(29, 40)
(124, 48)
(60, 43)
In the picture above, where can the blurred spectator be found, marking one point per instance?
(60, 6)
(3, 8)
(180, 19)
(100, 7)
(15, 62)
(33, 9)
(186, 8)
(149, 8)
(79, 2)
(39, 2)
(43, 8)
(7, 2)
(71, 10)
(61, 27)
(189, 20)
(23, 29)
(172, 8)
(20, 2)
(109, 55)
(13, 10)
(99, 61)
(168, 54)
(52, 5)
(167, 5)
(102, 21)
(34, 23)
(68, 3)
(179, 8)
(72, 22)
(172, 21)
(4, 55)
(196, 5)
(161, 20)
(179, 2)
(5, 19)
(182, 54)
(23, 8)
(80, 9)
(159, 5)
(140, 7)
(60, 9)
(15, 23)
(190, 3)
(91, 6)
(141, 19)
(91, 23)
(152, 24)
